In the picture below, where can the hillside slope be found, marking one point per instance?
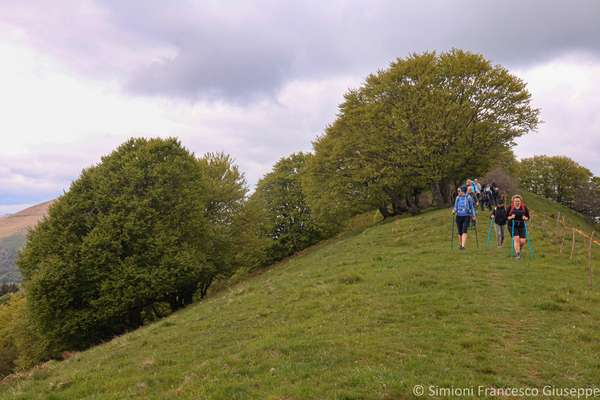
(18, 223)
(364, 316)
(9, 250)
(13, 232)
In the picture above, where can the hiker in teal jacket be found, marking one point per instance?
(464, 208)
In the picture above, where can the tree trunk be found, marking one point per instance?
(204, 287)
(134, 318)
(442, 195)
(173, 303)
(385, 213)
(188, 296)
(438, 196)
(398, 204)
(413, 208)
(446, 193)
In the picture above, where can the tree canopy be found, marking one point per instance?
(290, 223)
(131, 233)
(554, 177)
(422, 124)
(225, 194)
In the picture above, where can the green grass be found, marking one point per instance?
(364, 316)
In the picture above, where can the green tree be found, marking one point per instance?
(289, 222)
(426, 122)
(9, 313)
(252, 235)
(21, 344)
(557, 177)
(225, 195)
(130, 233)
(587, 200)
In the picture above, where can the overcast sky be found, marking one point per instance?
(258, 79)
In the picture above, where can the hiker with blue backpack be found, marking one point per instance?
(464, 208)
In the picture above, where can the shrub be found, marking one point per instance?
(20, 344)
(8, 350)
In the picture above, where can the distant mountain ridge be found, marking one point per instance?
(23, 220)
(13, 234)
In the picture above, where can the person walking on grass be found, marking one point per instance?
(499, 215)
(518, 215)
(464, 208)
(486, 198)
(477, 186)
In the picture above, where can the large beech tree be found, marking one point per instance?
(424, 123)
(145, 228)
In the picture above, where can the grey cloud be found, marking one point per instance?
(193, 73)
(244, 50)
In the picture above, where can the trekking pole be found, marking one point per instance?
(451, 231)
(489, 234)
(476, 238)
(528, 241)
(512, 239)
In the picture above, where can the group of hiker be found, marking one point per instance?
(514, 217)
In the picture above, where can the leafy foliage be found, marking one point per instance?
(225, 193)
(587, 200)
(252, 240)
(8, 350)
(289, 221)
(424, 123)
(21, 343)
(557, 178)
(131, 233)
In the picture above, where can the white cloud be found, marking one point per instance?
(55, 123)
(566, 90)
(59, 116)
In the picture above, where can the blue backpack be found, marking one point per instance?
(463, 205)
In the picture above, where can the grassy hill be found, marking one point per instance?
(367, 315)
(13, 231)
